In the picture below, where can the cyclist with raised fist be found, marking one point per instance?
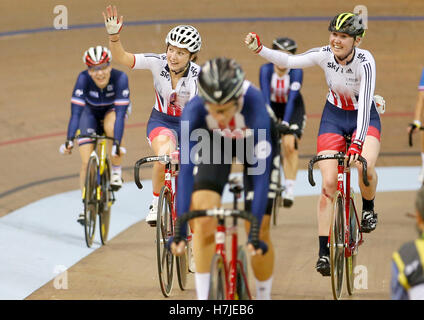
(349, 110)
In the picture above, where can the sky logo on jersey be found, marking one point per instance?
(361, 57)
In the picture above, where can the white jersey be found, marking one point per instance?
(169, 101)
(351, 86)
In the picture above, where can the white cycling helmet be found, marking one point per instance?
(97, 55)
(186, 37)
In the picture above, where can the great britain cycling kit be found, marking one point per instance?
(169, 102)
(282, 93)
(90, 104)
(350, 109)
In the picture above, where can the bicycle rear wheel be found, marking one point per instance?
(182, 263)
(217, 283)
(337, 245)
(354, 239)
(242, 287)
(164, 229)
(90, 201)
(105, 203)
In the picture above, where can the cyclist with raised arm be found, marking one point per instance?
(175, 81)
(416, 124)
(234, 126)
(281, 90)
(99, 104)
(349, 110)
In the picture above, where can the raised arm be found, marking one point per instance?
(284, 60)
(113, 26)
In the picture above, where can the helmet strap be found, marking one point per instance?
(343, 59)
(180, 71)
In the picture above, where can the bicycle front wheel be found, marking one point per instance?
(164, 229)
(242, 287)
(353, 241)
(337, 245)
(217, 283)
(90, 201)
(105, 203)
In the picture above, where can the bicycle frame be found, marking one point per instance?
(343, 174)
(230, 270)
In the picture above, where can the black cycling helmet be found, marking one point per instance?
(220, 80)
(349, 23)
(285, 44)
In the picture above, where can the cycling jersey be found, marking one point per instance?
(252, 115)
(169, 101)
(351, 86)
(283, 90)
(87, 95)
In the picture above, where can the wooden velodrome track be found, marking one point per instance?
(39, 70)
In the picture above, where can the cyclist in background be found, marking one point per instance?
(281, 90)
(416, 124)
(349, 110)
(408, 263)
(99, 104)
(175, 81)
(228, 113)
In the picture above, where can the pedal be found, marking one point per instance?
(151, 223)
(287, 203)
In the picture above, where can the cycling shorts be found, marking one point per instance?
(337, 122)
(91, 121)
(163, 124)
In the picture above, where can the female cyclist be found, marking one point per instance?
(349, 110)
(281, 90)
(99, 103)
(175, 80)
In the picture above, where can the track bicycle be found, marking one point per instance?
(98, 194)
(165, 224)
(228, 281)
(345, 235)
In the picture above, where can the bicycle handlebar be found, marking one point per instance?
(144, 160)
(337, 156)
(254, 226)
(165, 158)
(411, 132)
(94, 136)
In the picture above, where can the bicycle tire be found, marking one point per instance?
(217, 282)
(278, 201)
(337, 248)
(90, 201)
(105, 205)
(182, 263)
(164, 229)
(354, 238)
(242, 288)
